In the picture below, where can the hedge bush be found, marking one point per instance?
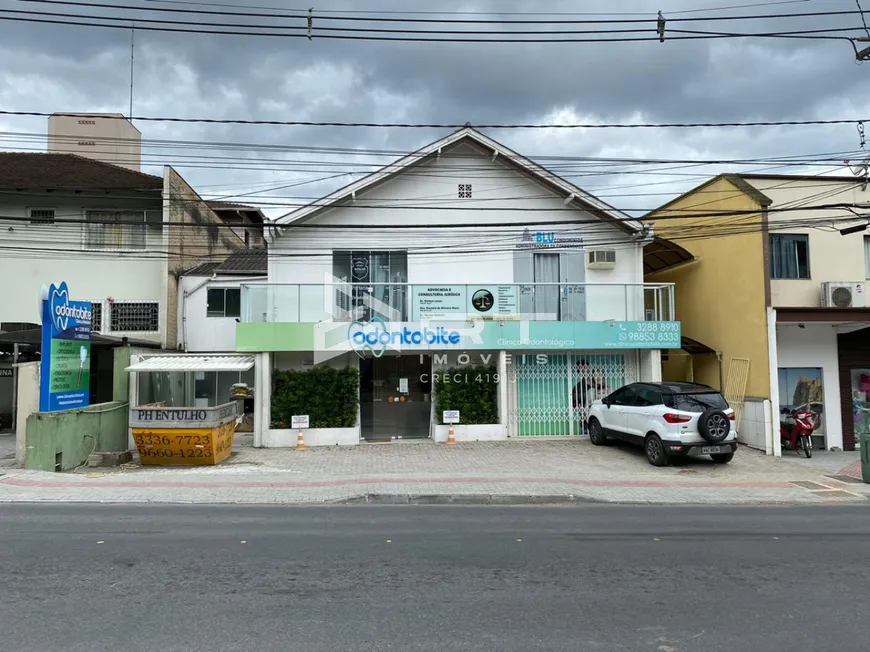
(475, 396)
(330, 397)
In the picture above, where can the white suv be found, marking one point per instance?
(667, 419)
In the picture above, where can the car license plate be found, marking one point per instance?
(710, 450)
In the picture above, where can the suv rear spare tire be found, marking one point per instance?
(714, 425)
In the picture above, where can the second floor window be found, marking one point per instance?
(789, 256)
(378, 289)
(119, 230)
(224, 302)
(866, 257)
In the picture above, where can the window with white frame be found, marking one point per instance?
(118, 230)
(135, 317)
(41, 215)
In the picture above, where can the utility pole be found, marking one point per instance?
(863, 55)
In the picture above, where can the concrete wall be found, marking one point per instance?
(204, 238)
(197, 332)
(108, 139)
(475, 254)
(754, 427)
(832, 257)
(720, 298)
(92, 275)
(815, 346)
(28, 403)
(74, 434)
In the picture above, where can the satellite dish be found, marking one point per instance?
(43, 297)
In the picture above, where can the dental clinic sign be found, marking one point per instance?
(377, 336)
(65, 372)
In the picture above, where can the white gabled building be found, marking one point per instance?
(463, 256)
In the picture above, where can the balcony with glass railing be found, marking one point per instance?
(403, 302)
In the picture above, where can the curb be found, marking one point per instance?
(464, 499)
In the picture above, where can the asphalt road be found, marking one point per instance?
(330, 579)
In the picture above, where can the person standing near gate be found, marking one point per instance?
(592, 385)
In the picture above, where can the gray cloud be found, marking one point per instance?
(52, 68)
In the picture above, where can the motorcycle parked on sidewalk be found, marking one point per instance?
(798, 435)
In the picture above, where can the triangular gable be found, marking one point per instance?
(572, 194)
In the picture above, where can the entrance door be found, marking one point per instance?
(395, 397)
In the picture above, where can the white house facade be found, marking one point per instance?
(464, 277)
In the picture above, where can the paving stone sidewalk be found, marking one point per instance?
(504, 472)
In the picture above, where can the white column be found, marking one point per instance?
(132, 397)
(262, 397)
(502, 390)
(773, 446)
(650, 362)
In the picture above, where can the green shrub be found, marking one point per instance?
(475, 396)
(330, 397)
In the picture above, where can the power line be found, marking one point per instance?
(479, 13)
(303, 15)
(404, 125)
(369, 34)
(669, 214)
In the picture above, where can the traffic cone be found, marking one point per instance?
(300, 441)
(450, 437)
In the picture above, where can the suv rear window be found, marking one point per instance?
(696, 402)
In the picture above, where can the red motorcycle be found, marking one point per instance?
(798, 435)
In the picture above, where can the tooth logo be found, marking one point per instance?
(364, 336)
(58, 305)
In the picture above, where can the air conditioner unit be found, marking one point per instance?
(843, 294)
(601, 259)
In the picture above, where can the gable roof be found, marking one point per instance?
(736, 180)
(254, 213)
(70, 172)
(579, 198)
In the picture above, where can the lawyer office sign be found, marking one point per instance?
(65, 372)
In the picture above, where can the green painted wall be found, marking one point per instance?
(121, 384)
(73, 434)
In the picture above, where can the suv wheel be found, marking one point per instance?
(714, 425)
(723, 458)
(596, 433)
(655, 450)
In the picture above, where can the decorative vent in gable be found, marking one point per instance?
(464, 191)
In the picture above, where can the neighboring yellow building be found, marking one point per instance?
(735, 325)
(764, 251)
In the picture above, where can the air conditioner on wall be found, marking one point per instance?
(601, 259)
(843, 294)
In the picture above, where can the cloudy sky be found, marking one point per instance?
(49, 67)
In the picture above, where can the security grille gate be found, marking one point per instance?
(549, 394)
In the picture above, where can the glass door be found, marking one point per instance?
(860, 404)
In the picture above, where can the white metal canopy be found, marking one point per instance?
(194, 363)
